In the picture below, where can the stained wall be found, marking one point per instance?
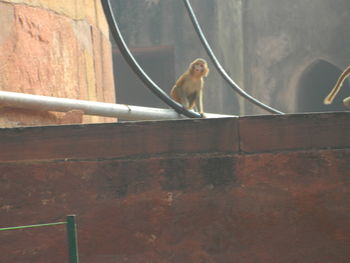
(253, 189)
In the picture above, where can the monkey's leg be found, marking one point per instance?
(192, 98)
(183, 99)
(185, 102)
(199, 102)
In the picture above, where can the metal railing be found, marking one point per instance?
(120, 111)
(71, 234)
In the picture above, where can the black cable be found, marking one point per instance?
(218, 66)
(113, 25)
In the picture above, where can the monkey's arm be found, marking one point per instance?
(329, 99)
(199, 101)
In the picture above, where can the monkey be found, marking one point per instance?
(188, 89)
(329, 99)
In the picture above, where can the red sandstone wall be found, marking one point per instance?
(54, 48)
(254, 189)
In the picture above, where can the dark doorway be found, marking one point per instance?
(157, 62)
(315, 84)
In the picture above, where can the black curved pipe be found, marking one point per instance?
(218, 66)
(113, 25)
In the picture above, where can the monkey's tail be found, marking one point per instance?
(329, 99)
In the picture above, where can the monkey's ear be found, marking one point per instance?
(206, 71)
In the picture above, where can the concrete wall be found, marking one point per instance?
(253, 189)
(289, 41)
(54, 48)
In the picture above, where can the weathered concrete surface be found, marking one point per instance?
(283, 40)
(47, 52)
(90, 10)
(194, 195)
(294, 132)
(119, 140)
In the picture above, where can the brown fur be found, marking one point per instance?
(188, 89)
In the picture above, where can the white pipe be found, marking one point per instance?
(120, 111)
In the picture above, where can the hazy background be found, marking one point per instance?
(287, 54)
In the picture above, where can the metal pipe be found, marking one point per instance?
(120, 111)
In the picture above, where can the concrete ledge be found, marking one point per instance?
(120, 140)
(255, 134)
(294, 132)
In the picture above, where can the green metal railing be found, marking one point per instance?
(71, 234)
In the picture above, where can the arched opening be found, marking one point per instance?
(315, 84)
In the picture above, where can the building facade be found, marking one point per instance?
(286, 54)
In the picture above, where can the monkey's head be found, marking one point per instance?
(199, 68)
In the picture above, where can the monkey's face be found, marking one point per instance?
(199, 68)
